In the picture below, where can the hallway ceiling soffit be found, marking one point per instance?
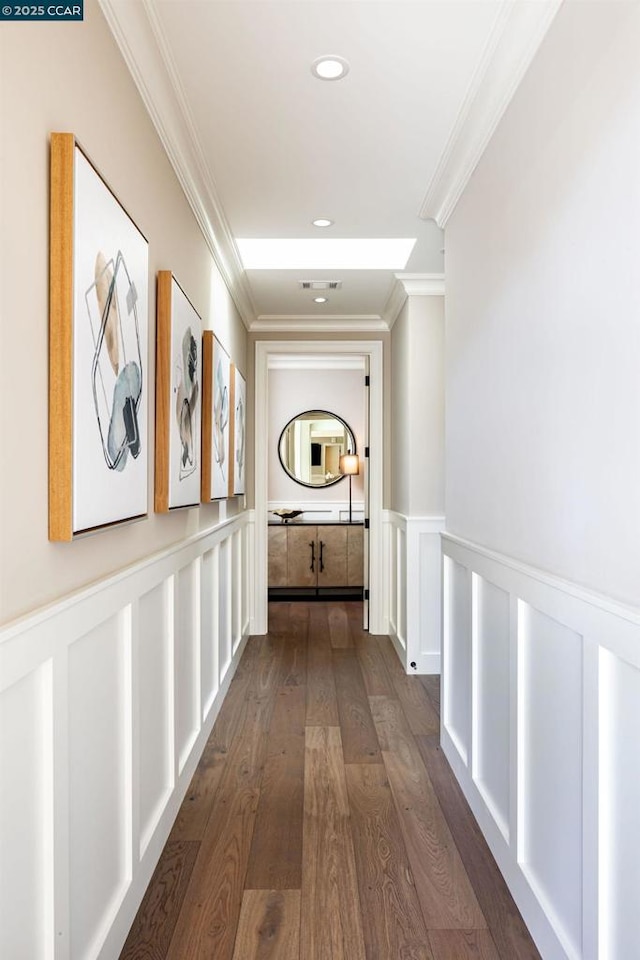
(516, 34)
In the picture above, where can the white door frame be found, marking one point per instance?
(373, 350)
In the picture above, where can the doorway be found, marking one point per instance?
(371, 353)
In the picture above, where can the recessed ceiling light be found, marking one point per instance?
(330, 68)
(321, 299)
(326, 254)
(322, 222)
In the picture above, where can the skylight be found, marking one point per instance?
(326, 254)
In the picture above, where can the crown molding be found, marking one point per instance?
(411, 285)
(312, 324)
(394, 304)
(518, 30)
(138, 34)
(421, 284)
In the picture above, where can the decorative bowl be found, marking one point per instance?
(286, 515)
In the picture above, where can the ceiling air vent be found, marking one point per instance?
(320, 284)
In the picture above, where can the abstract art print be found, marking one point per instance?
(239, 432)
(216, 420)
(98, 337)
(178, 397)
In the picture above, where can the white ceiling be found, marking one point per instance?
(262, 147)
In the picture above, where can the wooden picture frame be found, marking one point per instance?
(178, 398)
(98, 351)
(216, 416)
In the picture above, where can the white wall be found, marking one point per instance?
(71, 77)
(291, 392)
(107, 693)
(417, 408)
(543, 301)
(400, 413)
(541, 677)
(414, 571)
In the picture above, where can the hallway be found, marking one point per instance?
(323, 821)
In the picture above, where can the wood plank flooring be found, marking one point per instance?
(323, 821)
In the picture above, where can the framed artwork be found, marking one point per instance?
(178, 397)
(216, 419)
(98, 348)
(239, 394)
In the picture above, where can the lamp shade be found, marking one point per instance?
(350, 464)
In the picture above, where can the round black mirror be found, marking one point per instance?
(310, 447)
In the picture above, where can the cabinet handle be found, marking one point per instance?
(313, 556)
(321, 563)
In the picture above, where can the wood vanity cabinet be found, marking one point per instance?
(316, 558)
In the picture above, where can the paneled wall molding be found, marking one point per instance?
(191, 546)
(107, 698)
(137, 31)
(540, 693)
(519, 29)
(592, 597)
(413, 603)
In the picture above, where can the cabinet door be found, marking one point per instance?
(332, 555)
(277, 539)
(355, 556)
(302, 553)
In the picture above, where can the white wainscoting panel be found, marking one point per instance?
(236, 591)
(153, 649)
(106, 701)
(550, 751)
(393, 584)
(99, 780)
(490, 699)
(224, 607)
(619, 806)
(26, 818)
(456, 704)
(399, 586)
(187, 661)
(209, 651)
(413, 583)
(547, 752)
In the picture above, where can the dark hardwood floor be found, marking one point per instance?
(323, 821)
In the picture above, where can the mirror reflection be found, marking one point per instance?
(311, 445)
